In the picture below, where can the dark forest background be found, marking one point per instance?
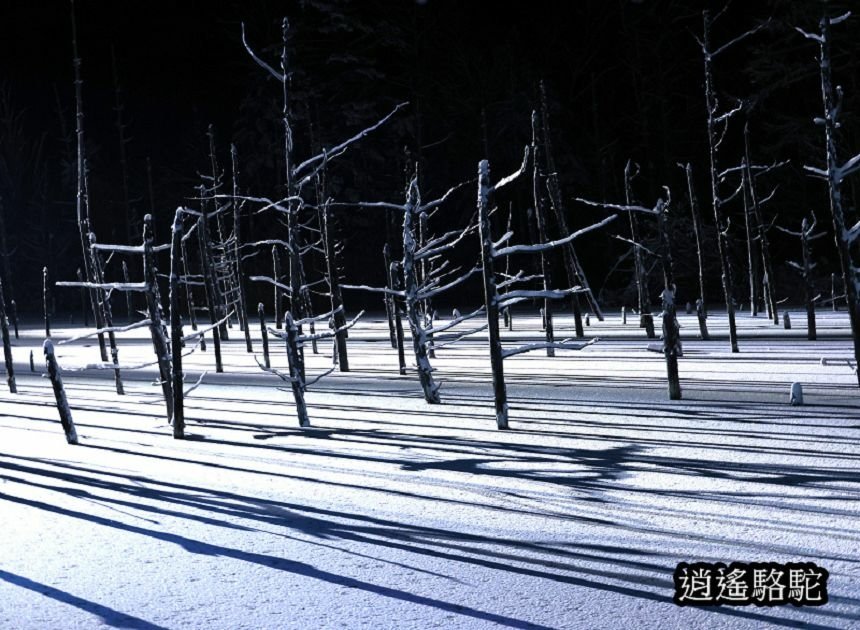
(623, 77)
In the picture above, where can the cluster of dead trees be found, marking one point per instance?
(207, 253)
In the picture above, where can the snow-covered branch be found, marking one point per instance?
(203, 331)
(513, 176)
(340, 149)
(280, 77)
(561, 345)
(195, 386)
(364, 287)
(271, 281)
(454, 322)
(427, 294)
(110, 329)
(541, 247)
(741, 37)
(118, 286)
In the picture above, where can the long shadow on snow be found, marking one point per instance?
(108, 616)
(443, 544)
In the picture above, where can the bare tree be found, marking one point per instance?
(7, 344)
(176, 375)
(491, 251)
(82, 194)
(416, 290)
(835, 173)
(238, 270)
(757, 232)
(671, 347)
(575, 272)
(105, 311)
(60, 393)
(806, 234)
(6, 269)
(717, 126)
(540, 218)
(646, 319)
(295, 358)
(698, 231)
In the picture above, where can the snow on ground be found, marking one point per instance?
(391, 513)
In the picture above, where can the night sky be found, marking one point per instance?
(624, 80)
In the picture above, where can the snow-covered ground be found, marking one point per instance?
(391, 513)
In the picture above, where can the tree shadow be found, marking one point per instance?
(108, 616)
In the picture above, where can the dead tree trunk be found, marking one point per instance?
(60, 393)
(333, 271)
(84, 312)
(156, 321)
(395, 284)
(265, 335)
(389, 300)
(811, 332)
(14, 316)
(575, 272)
(698, 231)
(835, 173)
(297, 370)
(210, 289)
(646, 319)
(412, 300)
(106, 313)
(715, 119)
(242, 306)
(189, 291)
(7, 269)
(491, 296)
(178, 417)
(752, 259)
(834, 305)
(761, 234)
(671, 330)
(46, 310)
(7, 344)
(540, 219)
(127, 280)
(82, 197)
(276, 275)
(425, 268)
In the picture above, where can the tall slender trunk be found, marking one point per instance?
(6, 270)
(178, 418)
(156, 325)
(849, 268)
(338, 317)
(698, 231)
(646, 319)
(491, 296)
(106, 313)
(575, 272)
(752, 258)
(7, 344)
(388, 299)
(761, 234)
(81, 196)
(540, 219)
(413, 304)
(671, 329)
(241, 302)
(722, 241)
(209, 285)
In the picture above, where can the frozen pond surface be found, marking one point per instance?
(391, 513)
